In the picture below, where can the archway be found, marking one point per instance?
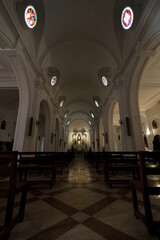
(149, 97)
(14, 82)
(144, 97)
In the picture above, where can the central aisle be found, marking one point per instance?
(80, 171)
(80, 206)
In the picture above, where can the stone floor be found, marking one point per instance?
(80, 206)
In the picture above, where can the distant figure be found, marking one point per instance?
(90, 150)
(72, 152)
(156, 142)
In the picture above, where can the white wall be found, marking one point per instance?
(146, 120)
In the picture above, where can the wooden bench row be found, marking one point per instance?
(15, 168)
(115, 165)
(144, 168)
(9, 188)
(39, 163)
(121, 167)
(147, 185)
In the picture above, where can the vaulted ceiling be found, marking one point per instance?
(79, 41)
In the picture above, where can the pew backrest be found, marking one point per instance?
(149, 164)
(8, 167)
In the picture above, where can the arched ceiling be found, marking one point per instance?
(149, 90)
(78, 125)
(79, 41)
(82, 39)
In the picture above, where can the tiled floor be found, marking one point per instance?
(80, 206)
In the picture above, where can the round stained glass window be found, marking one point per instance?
(127, 18)
(53, 80)
(104, 81)
(30, 16)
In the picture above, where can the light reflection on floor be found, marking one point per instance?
(78, 173)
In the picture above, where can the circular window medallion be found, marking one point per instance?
(127, 18)
(89, 122)
(30, 16)
(104, 81)
(68, 122)
(96, 103)
(61, 103)
(53, 80)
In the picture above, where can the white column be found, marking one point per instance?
(125, 118)
(21, 77)
(34, 114)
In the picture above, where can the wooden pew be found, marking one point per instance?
(118, 164)
(88, 156)
(148, 184)
(62, 160)
(33, 165)
(100, 162)
(95, 159)
(37, 163)
(9, 188)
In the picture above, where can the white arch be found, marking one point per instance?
(138, 68)
(20, 72)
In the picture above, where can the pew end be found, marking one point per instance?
(9, 189)
(148, 185)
